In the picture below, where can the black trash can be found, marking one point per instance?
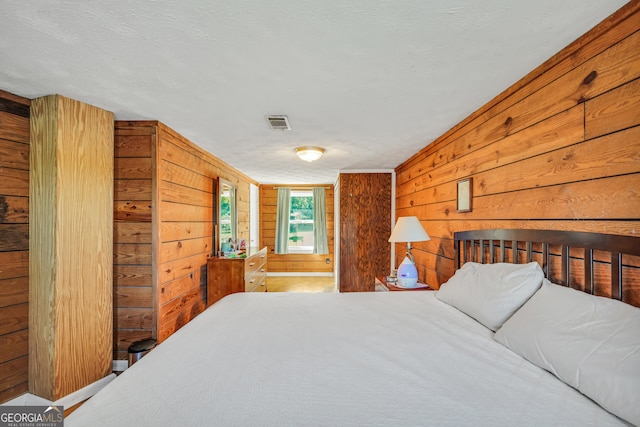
(139, 349)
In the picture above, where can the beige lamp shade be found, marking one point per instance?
(408, 229)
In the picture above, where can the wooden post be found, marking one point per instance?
(71, 246)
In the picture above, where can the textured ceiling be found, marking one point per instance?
(371, 82)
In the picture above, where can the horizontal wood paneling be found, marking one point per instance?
(173, 289)
(133, 296)
(134, 318)
(133, 275)
(14, 378)
(179, 194)
(190, 179)
(134, 169)
(558, 150)
(613, 111)
(14, 318)
(185, 248)
(14, 210)
(15, 237)
(131, 210)
(298, 263)
(133, 189)
(14, 291)
(178, 212)
(14, 244)
(566, 128)
(165, 196)
(14, 127)
(15, 182)
(173, 231)
(187, 195)
(14, 264)
(132, 232)
(14, 345)
(14, 154)
(132, 254)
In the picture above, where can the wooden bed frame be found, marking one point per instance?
(601, 264)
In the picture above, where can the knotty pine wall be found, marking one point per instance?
(293, 263)
(560, 149)
(14, 245)
(164, 232)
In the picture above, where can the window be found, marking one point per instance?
(301, 222)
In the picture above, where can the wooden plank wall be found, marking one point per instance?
(186, 195)
(165, 229)
(294, 263)
(365, 227)
(560, 149)
(14, 245)
(133, 293)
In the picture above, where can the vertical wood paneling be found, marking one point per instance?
(559, 149)
(298, 263)
(365, 227)
(71, 232)
(14, 245)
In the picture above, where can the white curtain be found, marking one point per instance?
(320, 245)
(282, 220)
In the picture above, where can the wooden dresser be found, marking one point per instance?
(229, 275)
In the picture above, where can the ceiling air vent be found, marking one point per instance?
(279, 122)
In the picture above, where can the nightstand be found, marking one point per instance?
(383, 286)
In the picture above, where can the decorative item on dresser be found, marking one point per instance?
(230, 275)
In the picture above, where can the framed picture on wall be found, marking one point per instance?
(464, 195)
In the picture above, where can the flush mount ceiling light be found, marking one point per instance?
(309, 154)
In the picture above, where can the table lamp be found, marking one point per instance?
(408, 229)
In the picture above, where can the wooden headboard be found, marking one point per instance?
(601, 264)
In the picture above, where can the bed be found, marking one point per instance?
(449, 357)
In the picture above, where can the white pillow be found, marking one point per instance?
(491, 293)
(591, 343)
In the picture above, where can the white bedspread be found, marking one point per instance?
(352, 359)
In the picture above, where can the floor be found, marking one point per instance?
(300, 284)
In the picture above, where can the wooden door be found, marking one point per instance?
(365, 227)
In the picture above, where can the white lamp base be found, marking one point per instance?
(407, 274)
